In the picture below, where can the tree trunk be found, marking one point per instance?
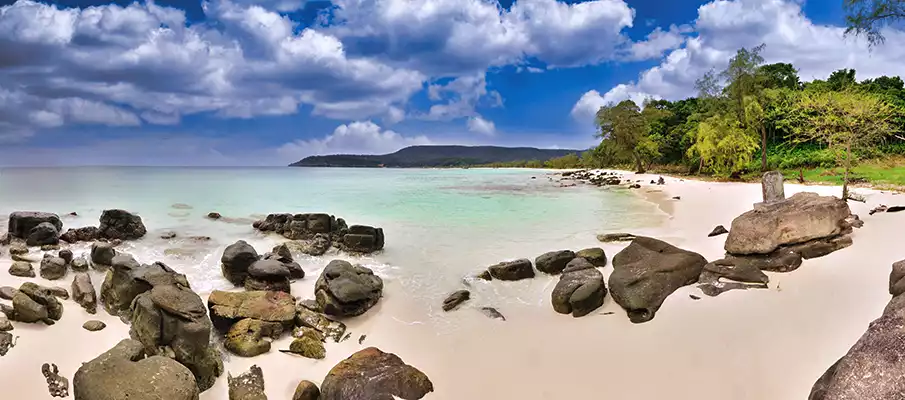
(639, 166)
(848, 166)
(763, 149)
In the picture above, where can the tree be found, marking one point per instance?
(741, 76)
(846, 122)
(869, 17)
(754, 120)
(627, 129)
(724, 147)
(779, 75)
(841, 79)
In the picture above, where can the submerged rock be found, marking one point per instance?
(122, 225)
(362, 239)
(372, 374)
(649, 270)
(247, 386)
(615, 237)
(455, 299)
(512, 270)
(346, 290)
(492, 313)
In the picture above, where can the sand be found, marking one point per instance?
(755, 344)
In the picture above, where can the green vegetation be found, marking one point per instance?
(868, 17)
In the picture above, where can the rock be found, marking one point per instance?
(66, 255)
(719, 230)
(57, 385)
(214, 215)
(772, 187)
(43, 234)
(317, 246)
(83, 292)
(896, 279)
(492, 313)
(22, 269)
(170, 320)
(247, 386)
(512, 270)
(594, 255)
(311, 305)
(267, 284)
(782, 260)
(5, 325)
(554, 261)
(227, 308)
(79, 265)
(7, 292)
(371, 374)
(102, 254)
(83, 234)
(268, 269)
(53, 268)
(50, 247)
(94, 325)
(580, 290)
(362, 239)
(307, 346)
(894, 209)
(168, 235)
(315, 320)
(306, 390)
(346, 290)
(6, 342)
(661, 181)
(127, 279)
(18, 249)
(649, 270)
(25, 309)
(236, 260)
(181, 206)
(880, 208)
(821, 247)
(59, 292)
(615, 237)
(300, 226)
(123, 373)
(246, 338)
(22, 223)
(798, 219)
(485, 275)
(122, 225)
(742, 274)
(455, 299)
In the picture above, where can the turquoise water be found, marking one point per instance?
(440, 225)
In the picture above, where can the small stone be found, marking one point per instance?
(5, 325)
(214, 215)
(719, 230)
(57, 384)
(168, 235)
(693, 297)
(6, 342)
(22, 269)
(492, 313)
(595, 255)
(615, 237)
(66, 255)
(677, 198)
(94, 325)
(361, 339)
(79, 264)
(455, 299)
(308, 347)
(59, 292)
(7, 292)
(306, 390)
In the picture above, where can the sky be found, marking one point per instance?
(243, 82)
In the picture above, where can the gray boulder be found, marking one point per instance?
(21, 223)
(123, 373)
(66, 255)
(649, 270)
(346, 290)
(33, 303)
(128, 279)
(122, 225)
(53, 268)
(580, 289)
(594, 255)
(371, 374)
(79, 264)
(897, 278)
(236, 260)
(102, 254)
(83, 292)
(512, 270)
(22, 269)
(43, 234)
(306, 390)
(554, 262)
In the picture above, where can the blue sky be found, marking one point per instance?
(242, 82)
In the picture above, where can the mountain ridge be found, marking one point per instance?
(427, 156)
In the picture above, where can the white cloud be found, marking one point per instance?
(360, 137)
(657, 43)
(477, 124)
(724, 26)
(462, 95)
(278, 5)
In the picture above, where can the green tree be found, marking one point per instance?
(846, 122)
(623, 126)
(869, 17)
(755, 120)
(841, 79)
(723, 146)
(742, 79)
(779, 76)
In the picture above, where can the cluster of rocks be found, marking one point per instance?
(32, 303)
(35, 228)
(242, 266)
(597, 178)
(114, 225)
(321, 231)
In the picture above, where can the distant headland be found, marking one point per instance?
(437, 157)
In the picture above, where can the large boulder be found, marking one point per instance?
(580, 289)
(227, 308)
(128, 279)
(171, 320)
(123, 373)
(554, 262)
(122, 225)
(83, 234)
(21, 223)
(53, 268)
(649, 270)
(43, 234)
(247, 386)
(83, 292)
(512, 270)
(236, 260)
(362, 239)
(371, 374)
(346, 290)
(798, 219)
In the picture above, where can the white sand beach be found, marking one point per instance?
(754, 344)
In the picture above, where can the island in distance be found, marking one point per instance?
(436, 156)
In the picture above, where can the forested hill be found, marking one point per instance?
(436, 156)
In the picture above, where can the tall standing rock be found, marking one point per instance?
(122, 225)
(772, 187)
(83, 292)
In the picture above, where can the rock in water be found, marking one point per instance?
(772, 187)
(122, 225)
(115, 376)
(79, 265)
(43, 234)
(227, 308)
(512, 270)
(94, 325)
(57, 385)
(21, 223)
(371, 374)
(798, 219)
(455, 299)
(236, 260)
(308, 346)
(247, 337)
(346, 290)
(580, 289)
(554, 262)
(53, 268)
(492, 313)
(719, 230)
(102, 254)
(83, 234)
(214, 215)
(306, 390)
(247, 386)
(595, 255)
(362, 239)
(83, 292)
(22, 269)
(649, 270)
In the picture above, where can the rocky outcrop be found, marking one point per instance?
(249, 337)
(346, 290)
(649, 270)
(123, 373)
(102, 254)
(316, 246)
(122, 225)
(512, 270)
(554, 262)
(319, 229)
(801, 218)
(372, 374)
(83, 292)
(247, 386)
(53, 268)
(83, 234)
(306, 390)
(580, 289)
(455, 299)
(873, 368)
(23, 223)
(171, 320)
(127, 279)
(227, 308)
(33, 303)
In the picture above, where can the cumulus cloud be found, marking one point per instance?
(482, 126)
(657, 43)
(461, 96)
(724, 26)
(360, 137)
